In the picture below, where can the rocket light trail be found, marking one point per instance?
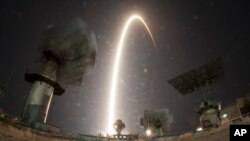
(116, 68)
(47, 110)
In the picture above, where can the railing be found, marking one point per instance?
(239, 118)
(123, 137)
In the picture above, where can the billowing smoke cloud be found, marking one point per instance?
(73, 46)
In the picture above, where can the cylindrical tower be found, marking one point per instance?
(44, 86)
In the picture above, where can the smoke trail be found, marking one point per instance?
(116, 68)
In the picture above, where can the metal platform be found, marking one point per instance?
(205, 75)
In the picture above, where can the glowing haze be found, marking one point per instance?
(115, 72)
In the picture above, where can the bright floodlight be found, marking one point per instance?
(199, 129)
(148, 132)
(224, 115)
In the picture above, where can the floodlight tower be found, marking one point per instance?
(119, 126)
(200, 80)
(154, 121)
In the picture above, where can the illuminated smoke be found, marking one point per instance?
(74, 46)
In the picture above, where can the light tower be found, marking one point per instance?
(200, 80)
(119, 126)
(156, 122)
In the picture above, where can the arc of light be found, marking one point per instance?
(116, 68)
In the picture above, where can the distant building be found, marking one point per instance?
(244, 105)
(237, 110)
(232, 112)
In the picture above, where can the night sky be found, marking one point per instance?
(187, 33)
